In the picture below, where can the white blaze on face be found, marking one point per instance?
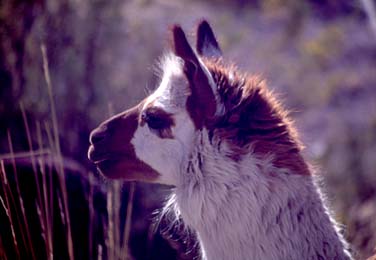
(172, 92)
(167, 155)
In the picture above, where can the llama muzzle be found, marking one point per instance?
(112, 152)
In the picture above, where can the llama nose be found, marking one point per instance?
(97, 135)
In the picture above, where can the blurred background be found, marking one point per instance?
(66, 65)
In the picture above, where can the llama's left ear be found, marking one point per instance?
(201, 104)
(206, 43)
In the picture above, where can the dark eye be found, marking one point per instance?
(157, 119)
(155, 122)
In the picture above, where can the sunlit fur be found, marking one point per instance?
(231, 153)
(167, 155)
(241, 202)
(252, 210)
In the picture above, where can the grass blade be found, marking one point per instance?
(60, 165)
(128, 221)
(6, 205)
(28, 244)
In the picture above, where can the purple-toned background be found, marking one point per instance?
(318, 56)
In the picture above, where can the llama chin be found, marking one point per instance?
(225, 143)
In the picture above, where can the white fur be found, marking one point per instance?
(166, 155)
(241, 210)
(173, 89)
(247, 209)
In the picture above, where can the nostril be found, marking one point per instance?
(97, 136)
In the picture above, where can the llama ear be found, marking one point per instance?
(207, 44)
(201, 104)
(181, 46)
(183, 50)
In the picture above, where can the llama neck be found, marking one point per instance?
(251, 210)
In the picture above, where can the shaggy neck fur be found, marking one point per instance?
(246, 190)
(252, 210)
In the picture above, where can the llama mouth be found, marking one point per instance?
(103, 161)
(121, 164)
(97, 157)
(107, 168)
(104, 164)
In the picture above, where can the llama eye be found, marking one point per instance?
(157, 119)
(155, 123)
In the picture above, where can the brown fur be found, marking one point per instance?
(200, 104)
(254, 120)
(163, 121)
(112, 151)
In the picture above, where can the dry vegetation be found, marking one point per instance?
(49, 205)
(320, 57)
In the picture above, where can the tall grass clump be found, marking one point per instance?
(51, 207)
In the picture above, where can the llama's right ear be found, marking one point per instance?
(207, 44)
(183, 50)
(201, 103)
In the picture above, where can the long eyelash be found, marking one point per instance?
(156, 122)
(162, 119)
(148, 90)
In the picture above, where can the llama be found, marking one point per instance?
(229, 149)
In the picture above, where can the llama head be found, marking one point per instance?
(151, 141)
(198, 93)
